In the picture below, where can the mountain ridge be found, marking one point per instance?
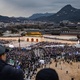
(38, 15)
(66, 13)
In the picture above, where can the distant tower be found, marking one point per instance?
(78, 37)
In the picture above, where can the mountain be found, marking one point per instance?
(38, 15)
(11, 19)
(20, 19)
(66, 13)
(4, 18)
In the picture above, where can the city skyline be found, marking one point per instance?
(25, 8)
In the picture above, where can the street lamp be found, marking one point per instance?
(19, 42)
(78, 37)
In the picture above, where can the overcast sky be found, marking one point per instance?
(26, 8)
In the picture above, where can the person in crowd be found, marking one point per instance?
(47, 74)
(8, 72)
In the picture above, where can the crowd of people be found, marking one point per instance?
(4, 41)
(28, 61)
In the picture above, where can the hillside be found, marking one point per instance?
(38, 15)
(66, 13)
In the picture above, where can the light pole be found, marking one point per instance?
(78, 37)
(19, 42)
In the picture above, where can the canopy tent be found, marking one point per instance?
(11, 46)
(28, 48)
(54, 45)
(77, 45)
(42, 61)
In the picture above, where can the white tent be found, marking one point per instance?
(28, 48)
(77, 45)
(42, 61)
(54, 45)
(11, 46)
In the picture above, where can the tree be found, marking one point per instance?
(1, 34)
(13, 30)
(62, 24)
(78, 36)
